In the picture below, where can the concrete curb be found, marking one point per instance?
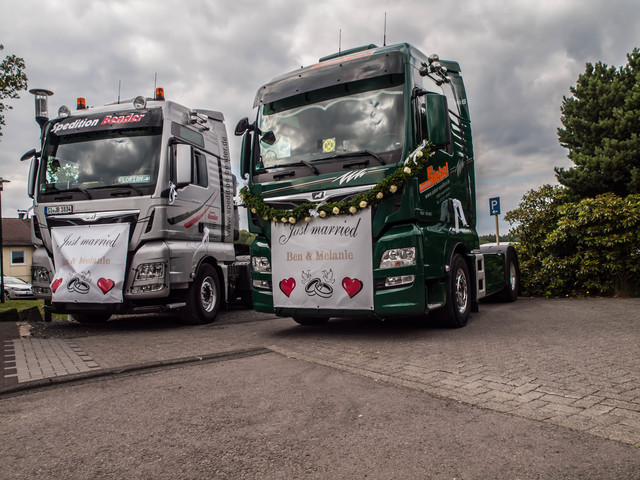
(106, 372)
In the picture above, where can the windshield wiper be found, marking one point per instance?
(125, 192)
(295, 164)
(360, 153)
(308, 164)
(73, 189)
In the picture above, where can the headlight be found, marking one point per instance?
(40, 275)
(261, 264)
(150, 271)
(399, 281)
(398, 257)
(262, 285)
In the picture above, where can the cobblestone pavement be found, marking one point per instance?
(30, 359)
(572, 363)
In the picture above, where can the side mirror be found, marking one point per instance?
(242, 127)
(184, 165)
(437, 119)
(30, 154)
(245, 154)
(33, 174)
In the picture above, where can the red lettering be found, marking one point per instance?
(434, 177)
(131, 118)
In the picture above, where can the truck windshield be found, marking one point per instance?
(335, 122)
(101, 159)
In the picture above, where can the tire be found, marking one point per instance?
(512, 288)
(458, 307)
(91, 317)
(311, 320)
(203, 298)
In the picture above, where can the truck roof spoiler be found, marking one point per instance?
(212, 114)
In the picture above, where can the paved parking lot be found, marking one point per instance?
(572, 363)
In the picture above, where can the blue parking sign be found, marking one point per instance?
(494, 206)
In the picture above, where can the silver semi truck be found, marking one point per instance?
(133, 211)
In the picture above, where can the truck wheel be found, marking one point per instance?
(311, 320)
(510, 292)
(91, 317)
(203, 297)
(458, 305)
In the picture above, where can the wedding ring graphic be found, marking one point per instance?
(78, 286)
(319, 288)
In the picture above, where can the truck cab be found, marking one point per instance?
(360, 175)
(134, 211)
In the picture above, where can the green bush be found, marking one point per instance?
(589, 247)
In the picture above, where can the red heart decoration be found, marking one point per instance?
(287, 285)
(56, 283)
(105, 285)
(352, 286)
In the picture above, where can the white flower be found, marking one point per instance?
(353, 209)
(393, 189)
(336, 210)
(363, 204)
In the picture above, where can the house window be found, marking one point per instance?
(18, 257)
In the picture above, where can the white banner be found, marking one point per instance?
(90, 263)
(323, 264)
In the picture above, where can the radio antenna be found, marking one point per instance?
(155, 83)
(384, 41)
(339, 41)
(119, 83)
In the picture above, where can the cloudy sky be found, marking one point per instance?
(518, 58)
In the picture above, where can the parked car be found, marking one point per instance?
(17, 288)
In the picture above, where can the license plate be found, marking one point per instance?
(58, 209)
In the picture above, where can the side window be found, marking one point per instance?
(451, 99)
(200, 176)
(420, 111)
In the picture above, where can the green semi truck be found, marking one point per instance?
(360, 186)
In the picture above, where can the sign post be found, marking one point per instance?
(2, 180)
(494, 209)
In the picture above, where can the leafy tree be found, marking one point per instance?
(536, 217)
(12, 81)
(602, 131)
(597, 239)
(587, 247)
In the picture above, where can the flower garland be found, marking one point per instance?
(415, 164)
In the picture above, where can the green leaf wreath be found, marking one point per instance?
(415, 164)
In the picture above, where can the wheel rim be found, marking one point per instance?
(208, 295)
(462, 296)
(513, 276)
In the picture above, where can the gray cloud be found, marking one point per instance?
(518, 58)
